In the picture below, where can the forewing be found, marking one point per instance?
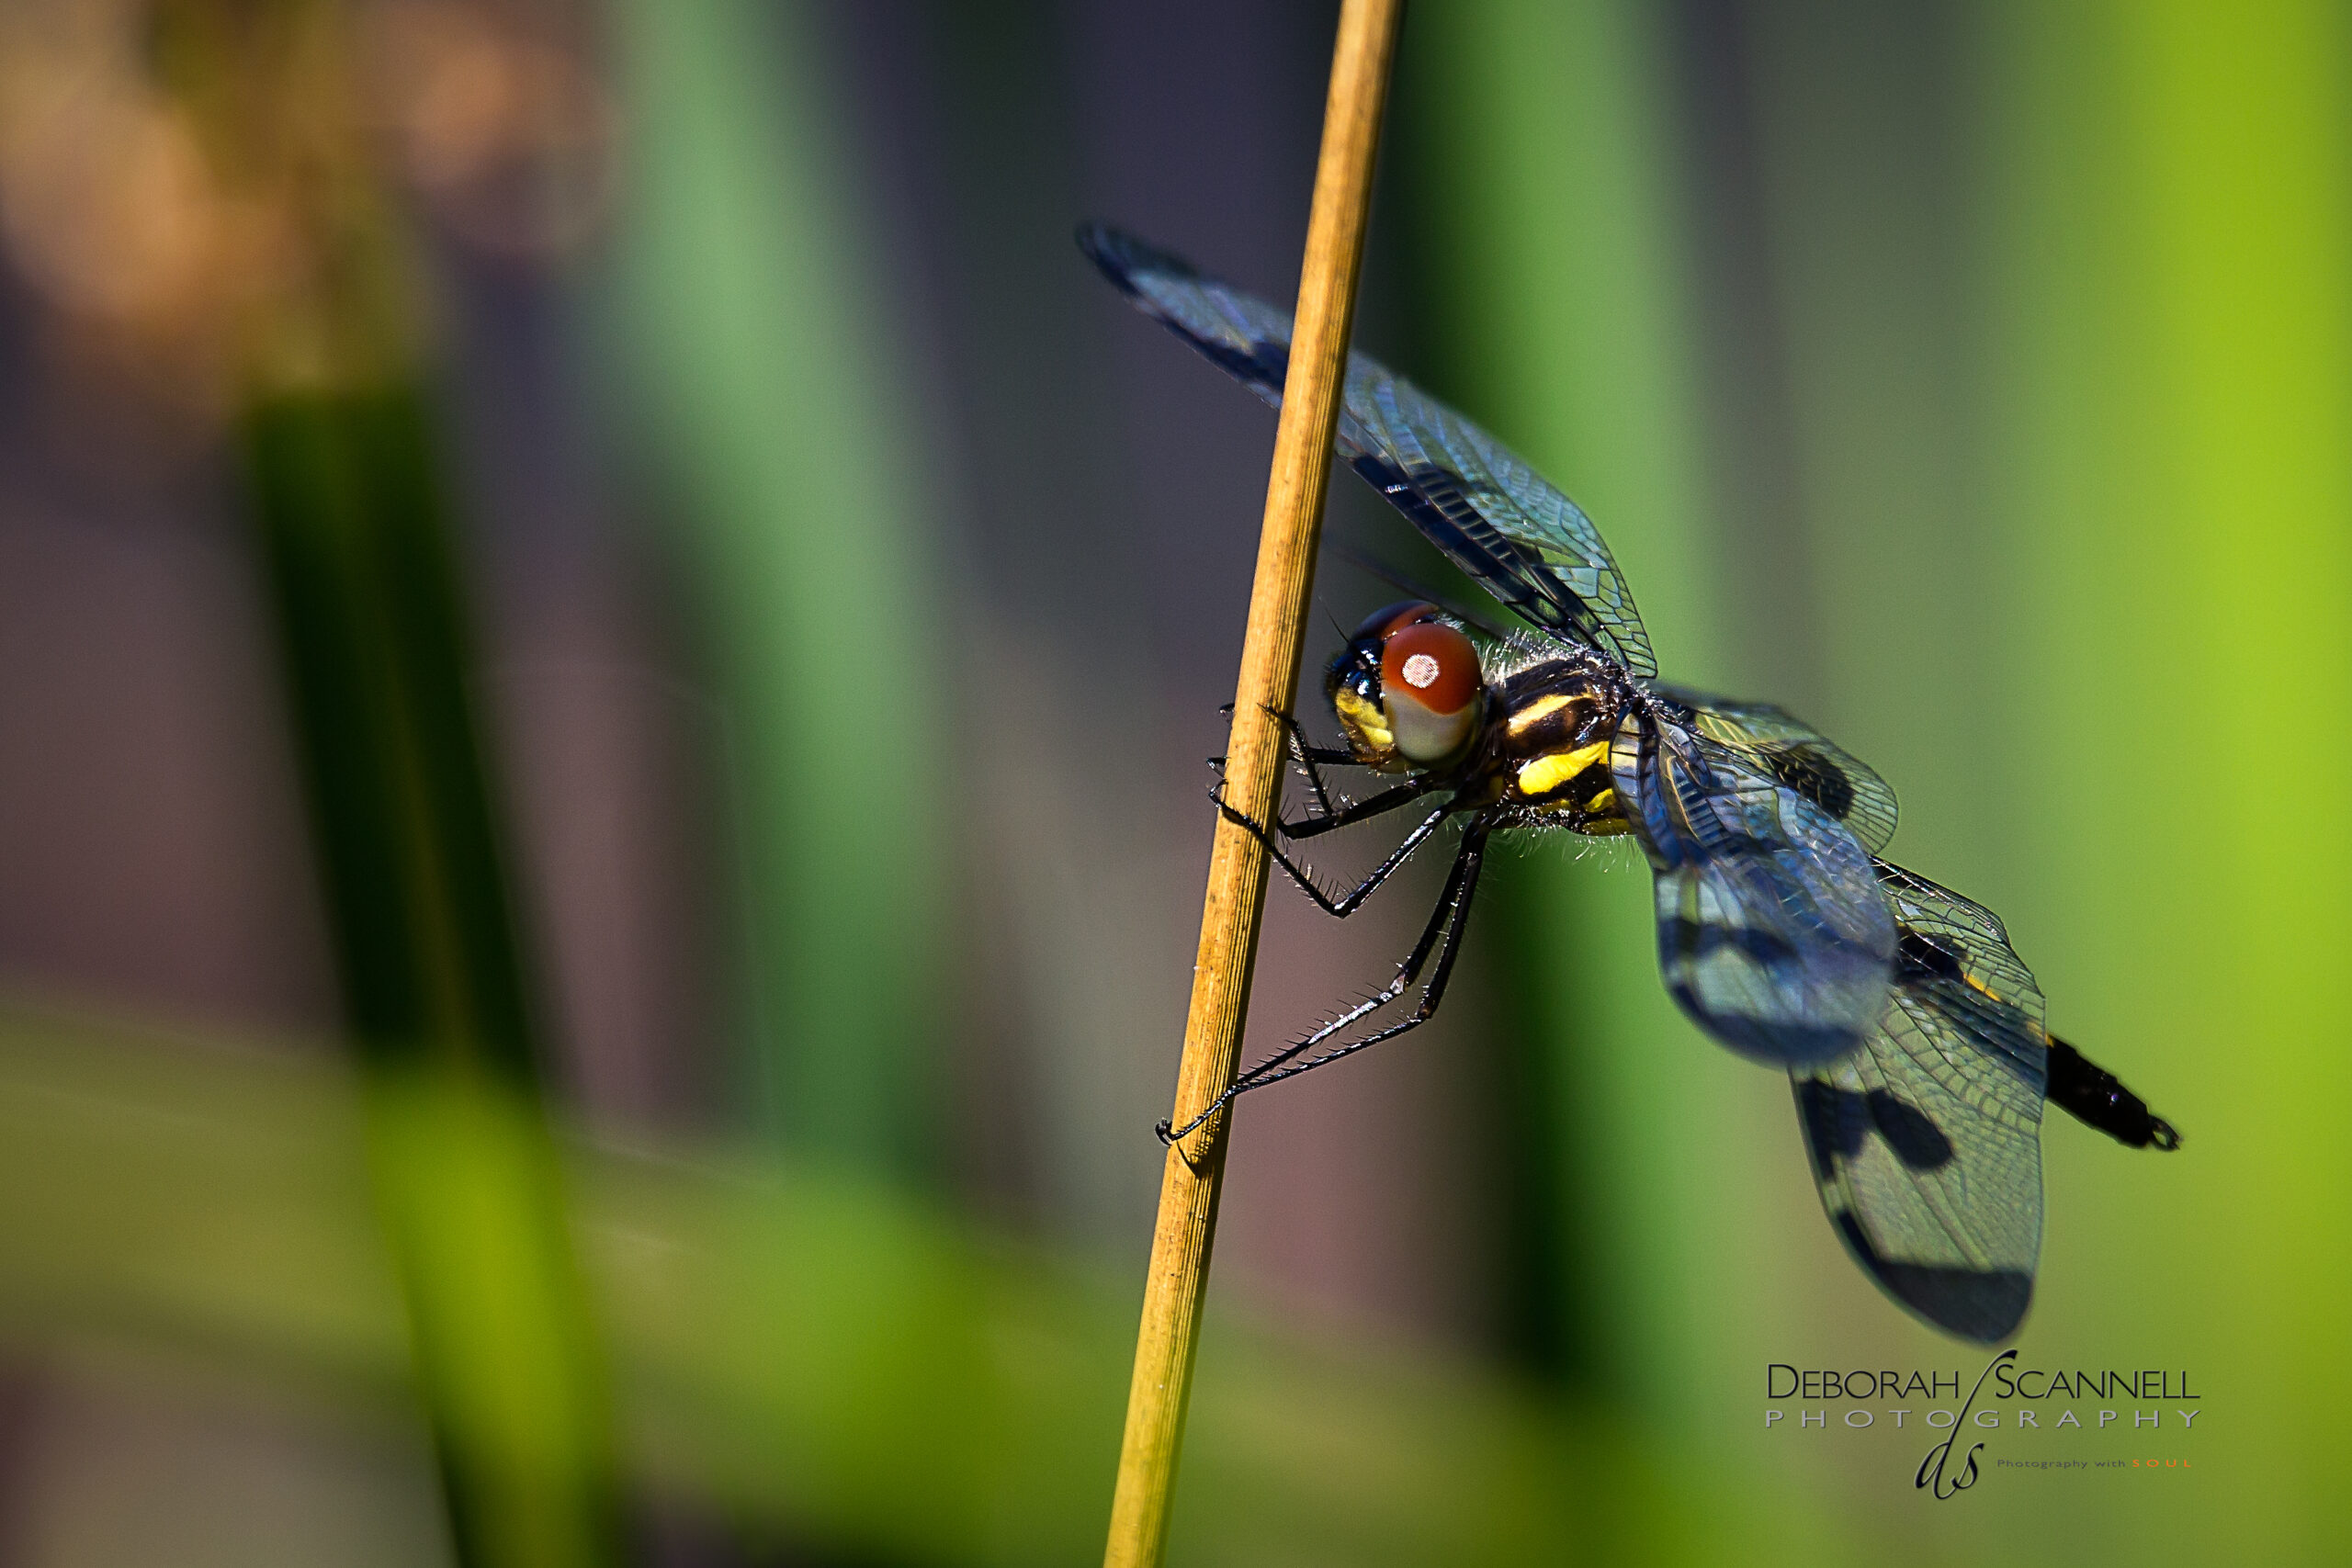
(1772, 933)
(1498, 520)
(1927, 1142)
(1798, 755)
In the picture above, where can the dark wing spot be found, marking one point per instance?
(1921, 957)
(1834, 1126)
(1983, 1304)
(1836, 1120)
(1700, 939)
(1914, 1136)
(1804, 770)
(1780, 1040)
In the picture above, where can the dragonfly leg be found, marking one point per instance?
(1312, 758)
(1309, 758)
(1344, 904)
(1442, 937)
(1362, 811)
(1330, 818)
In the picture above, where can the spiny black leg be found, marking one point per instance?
(1363, 811)
(1347, 902)
(2094, 1096)
(1273, 1071)
(1439, 917)
(1313, 757)
(1307, 756)
(1440, 920)
(1445, 925)
(1387, 800)
(1309, 759)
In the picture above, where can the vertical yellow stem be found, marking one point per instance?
(1236, 886)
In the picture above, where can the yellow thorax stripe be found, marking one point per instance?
(1546, 773)
(1537, 713)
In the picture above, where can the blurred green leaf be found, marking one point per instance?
(371, 618)
(763, 405)
(814, 1358)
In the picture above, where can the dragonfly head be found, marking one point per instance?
(1407, 688)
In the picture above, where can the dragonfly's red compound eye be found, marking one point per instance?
(1431, 663)
(1431, 685)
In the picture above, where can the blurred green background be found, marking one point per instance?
(606, 646)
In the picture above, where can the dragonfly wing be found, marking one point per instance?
(1240, 331)
(1498, 519)
(1925, 1144)
(1772, 933)
(1798, 755)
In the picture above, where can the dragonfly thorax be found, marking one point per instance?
(1547, 747)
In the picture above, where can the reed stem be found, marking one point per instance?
(1168, 1336)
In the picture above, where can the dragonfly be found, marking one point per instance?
(1913, 1035)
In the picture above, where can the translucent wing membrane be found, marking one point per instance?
(1496, 517)
(1925, 1144)
(1797, 755)
(1240, 331)
(1499, 519)
(1772, 933)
